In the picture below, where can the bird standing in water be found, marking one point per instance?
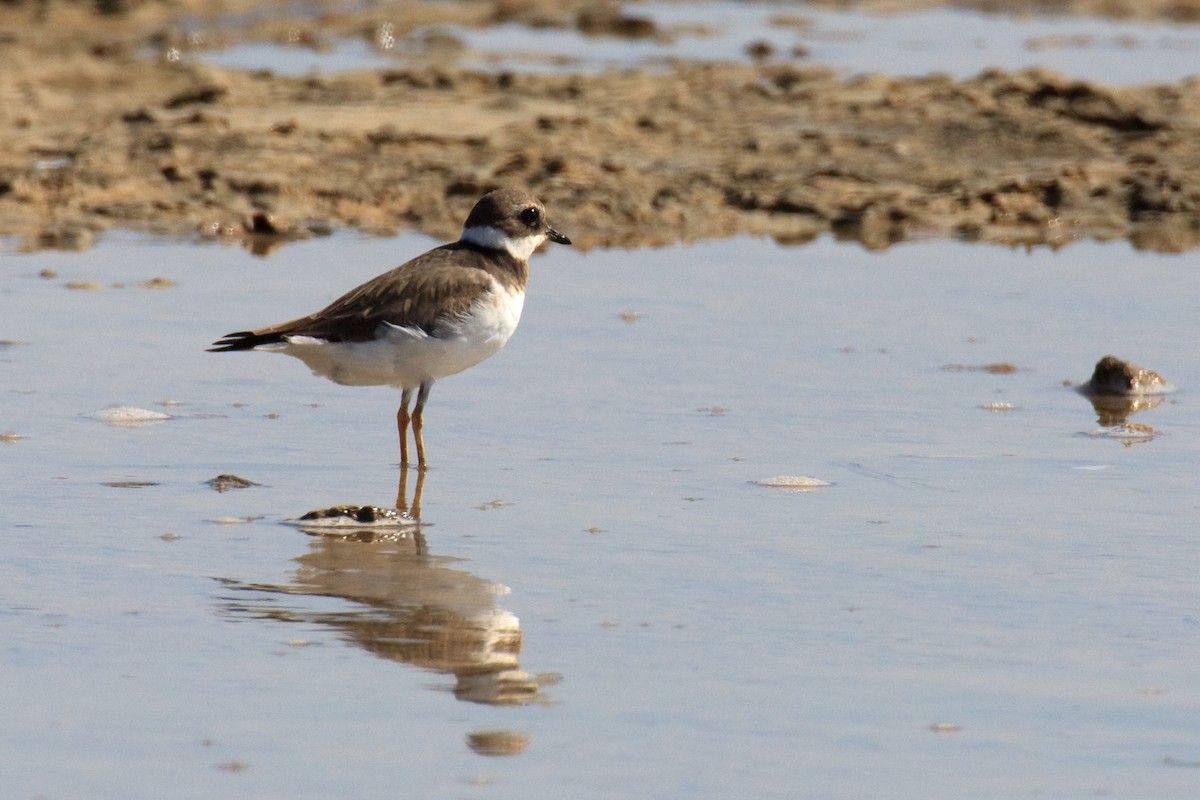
(434, 316)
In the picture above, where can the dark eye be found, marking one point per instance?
(531, 217)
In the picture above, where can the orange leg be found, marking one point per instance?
(418, 422)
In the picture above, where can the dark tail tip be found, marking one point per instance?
(240, 340)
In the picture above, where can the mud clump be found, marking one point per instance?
(1112, 376)
(1119, 389)
(225, 482)
(362, 514)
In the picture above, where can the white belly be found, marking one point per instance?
(408, 357)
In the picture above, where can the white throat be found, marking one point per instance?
(495, 239)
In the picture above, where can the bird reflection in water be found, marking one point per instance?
(409, 607)
(402, 505)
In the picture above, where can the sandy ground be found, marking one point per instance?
(109, 119)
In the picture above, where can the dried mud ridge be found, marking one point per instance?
(105, 136)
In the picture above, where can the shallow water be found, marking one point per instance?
(956, 41)
(684, 632)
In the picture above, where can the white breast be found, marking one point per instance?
(408, 357)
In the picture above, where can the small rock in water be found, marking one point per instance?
(128, 416)
(350, 516)
(356, 513)
(223, 483)
(792, 483)
(1113, 376)
(498, 743)
(998, 368)
(233, 520)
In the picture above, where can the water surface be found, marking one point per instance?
(602, 594)
(955, 41)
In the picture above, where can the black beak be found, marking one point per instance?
(555, 236)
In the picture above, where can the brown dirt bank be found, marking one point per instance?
(103, 134)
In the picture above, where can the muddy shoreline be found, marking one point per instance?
(124, 127)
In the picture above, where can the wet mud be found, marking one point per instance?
(113, 120)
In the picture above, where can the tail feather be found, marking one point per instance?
(243, 340)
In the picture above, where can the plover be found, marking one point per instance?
(434, 316)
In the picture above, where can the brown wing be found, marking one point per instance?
(432, 286)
